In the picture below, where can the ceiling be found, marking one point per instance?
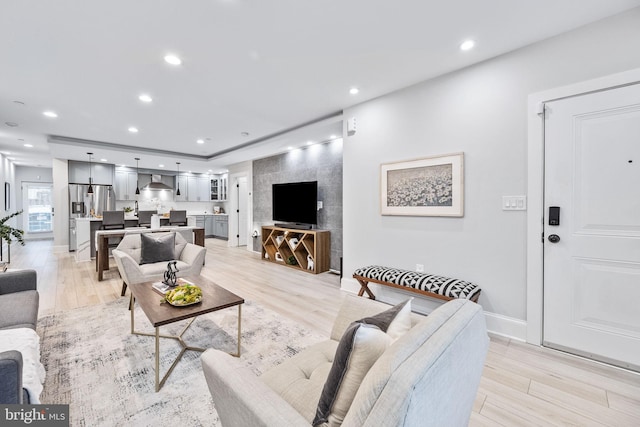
(257, 76)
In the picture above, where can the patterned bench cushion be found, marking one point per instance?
(446, 286)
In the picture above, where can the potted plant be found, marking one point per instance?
(9, 233)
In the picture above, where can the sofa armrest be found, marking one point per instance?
(18, 281)
(11, 377)
(193, 254)
(241, 398)
(128, 267)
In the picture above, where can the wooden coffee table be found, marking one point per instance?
(159, 314)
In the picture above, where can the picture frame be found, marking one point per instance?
(7, 196)
(429, 186)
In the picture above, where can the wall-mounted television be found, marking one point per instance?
(296, 202)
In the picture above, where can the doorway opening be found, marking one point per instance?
(37, 203)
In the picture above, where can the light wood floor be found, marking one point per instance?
(521, 384)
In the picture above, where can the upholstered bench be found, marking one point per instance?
(444, 288)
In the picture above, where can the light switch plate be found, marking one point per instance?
(514, 203)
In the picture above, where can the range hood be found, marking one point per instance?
(156, 184)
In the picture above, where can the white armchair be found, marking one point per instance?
(189, 257)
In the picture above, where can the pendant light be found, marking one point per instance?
(137, 179)
(90, 189)
(178, 192)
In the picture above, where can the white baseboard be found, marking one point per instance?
(496, 323)
(505, 326)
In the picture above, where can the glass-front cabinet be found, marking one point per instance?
(215, 190)
(219, 188)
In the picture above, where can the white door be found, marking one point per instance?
(592, 273)
(243, 199)
(37, 204)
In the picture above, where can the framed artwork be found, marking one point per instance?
(7, 196)
(431, 186)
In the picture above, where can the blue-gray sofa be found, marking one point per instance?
(19, 302)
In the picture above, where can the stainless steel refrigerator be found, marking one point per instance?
(82, 205)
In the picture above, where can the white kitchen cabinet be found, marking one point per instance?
(126, 183)
(221, 226)
(198, 188)
(199, 221)
(203, 189)
(209, 225)
(100, 173)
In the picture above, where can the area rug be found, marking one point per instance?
(106, 374)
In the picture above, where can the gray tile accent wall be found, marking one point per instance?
(320, 162)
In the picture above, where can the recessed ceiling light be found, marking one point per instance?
(332, 137)
(160, 166)
(18, 102)
(145, 98)
(172, 59)
(354, 91)
(28, 145)
(133, 129)
(200, 141)
(11, 124)
(103, 160)
(309, 142)
(467, 45)
(289, 148)
(51, 114)
(244, 133)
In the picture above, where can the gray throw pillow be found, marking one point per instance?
(361, 345)
(156, 248)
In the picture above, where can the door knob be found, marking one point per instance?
(554, 238)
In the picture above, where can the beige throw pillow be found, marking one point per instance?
(361, 345)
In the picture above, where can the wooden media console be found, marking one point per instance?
(308, 250)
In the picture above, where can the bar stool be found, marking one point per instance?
(144, 218)
(113, 220)
(177, 217)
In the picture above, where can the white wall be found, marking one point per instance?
(60, 172)
(8, 175)
(482, 111)
(237, 170)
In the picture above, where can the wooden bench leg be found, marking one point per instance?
(475, 298)
(124, 289)
(364, 288)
